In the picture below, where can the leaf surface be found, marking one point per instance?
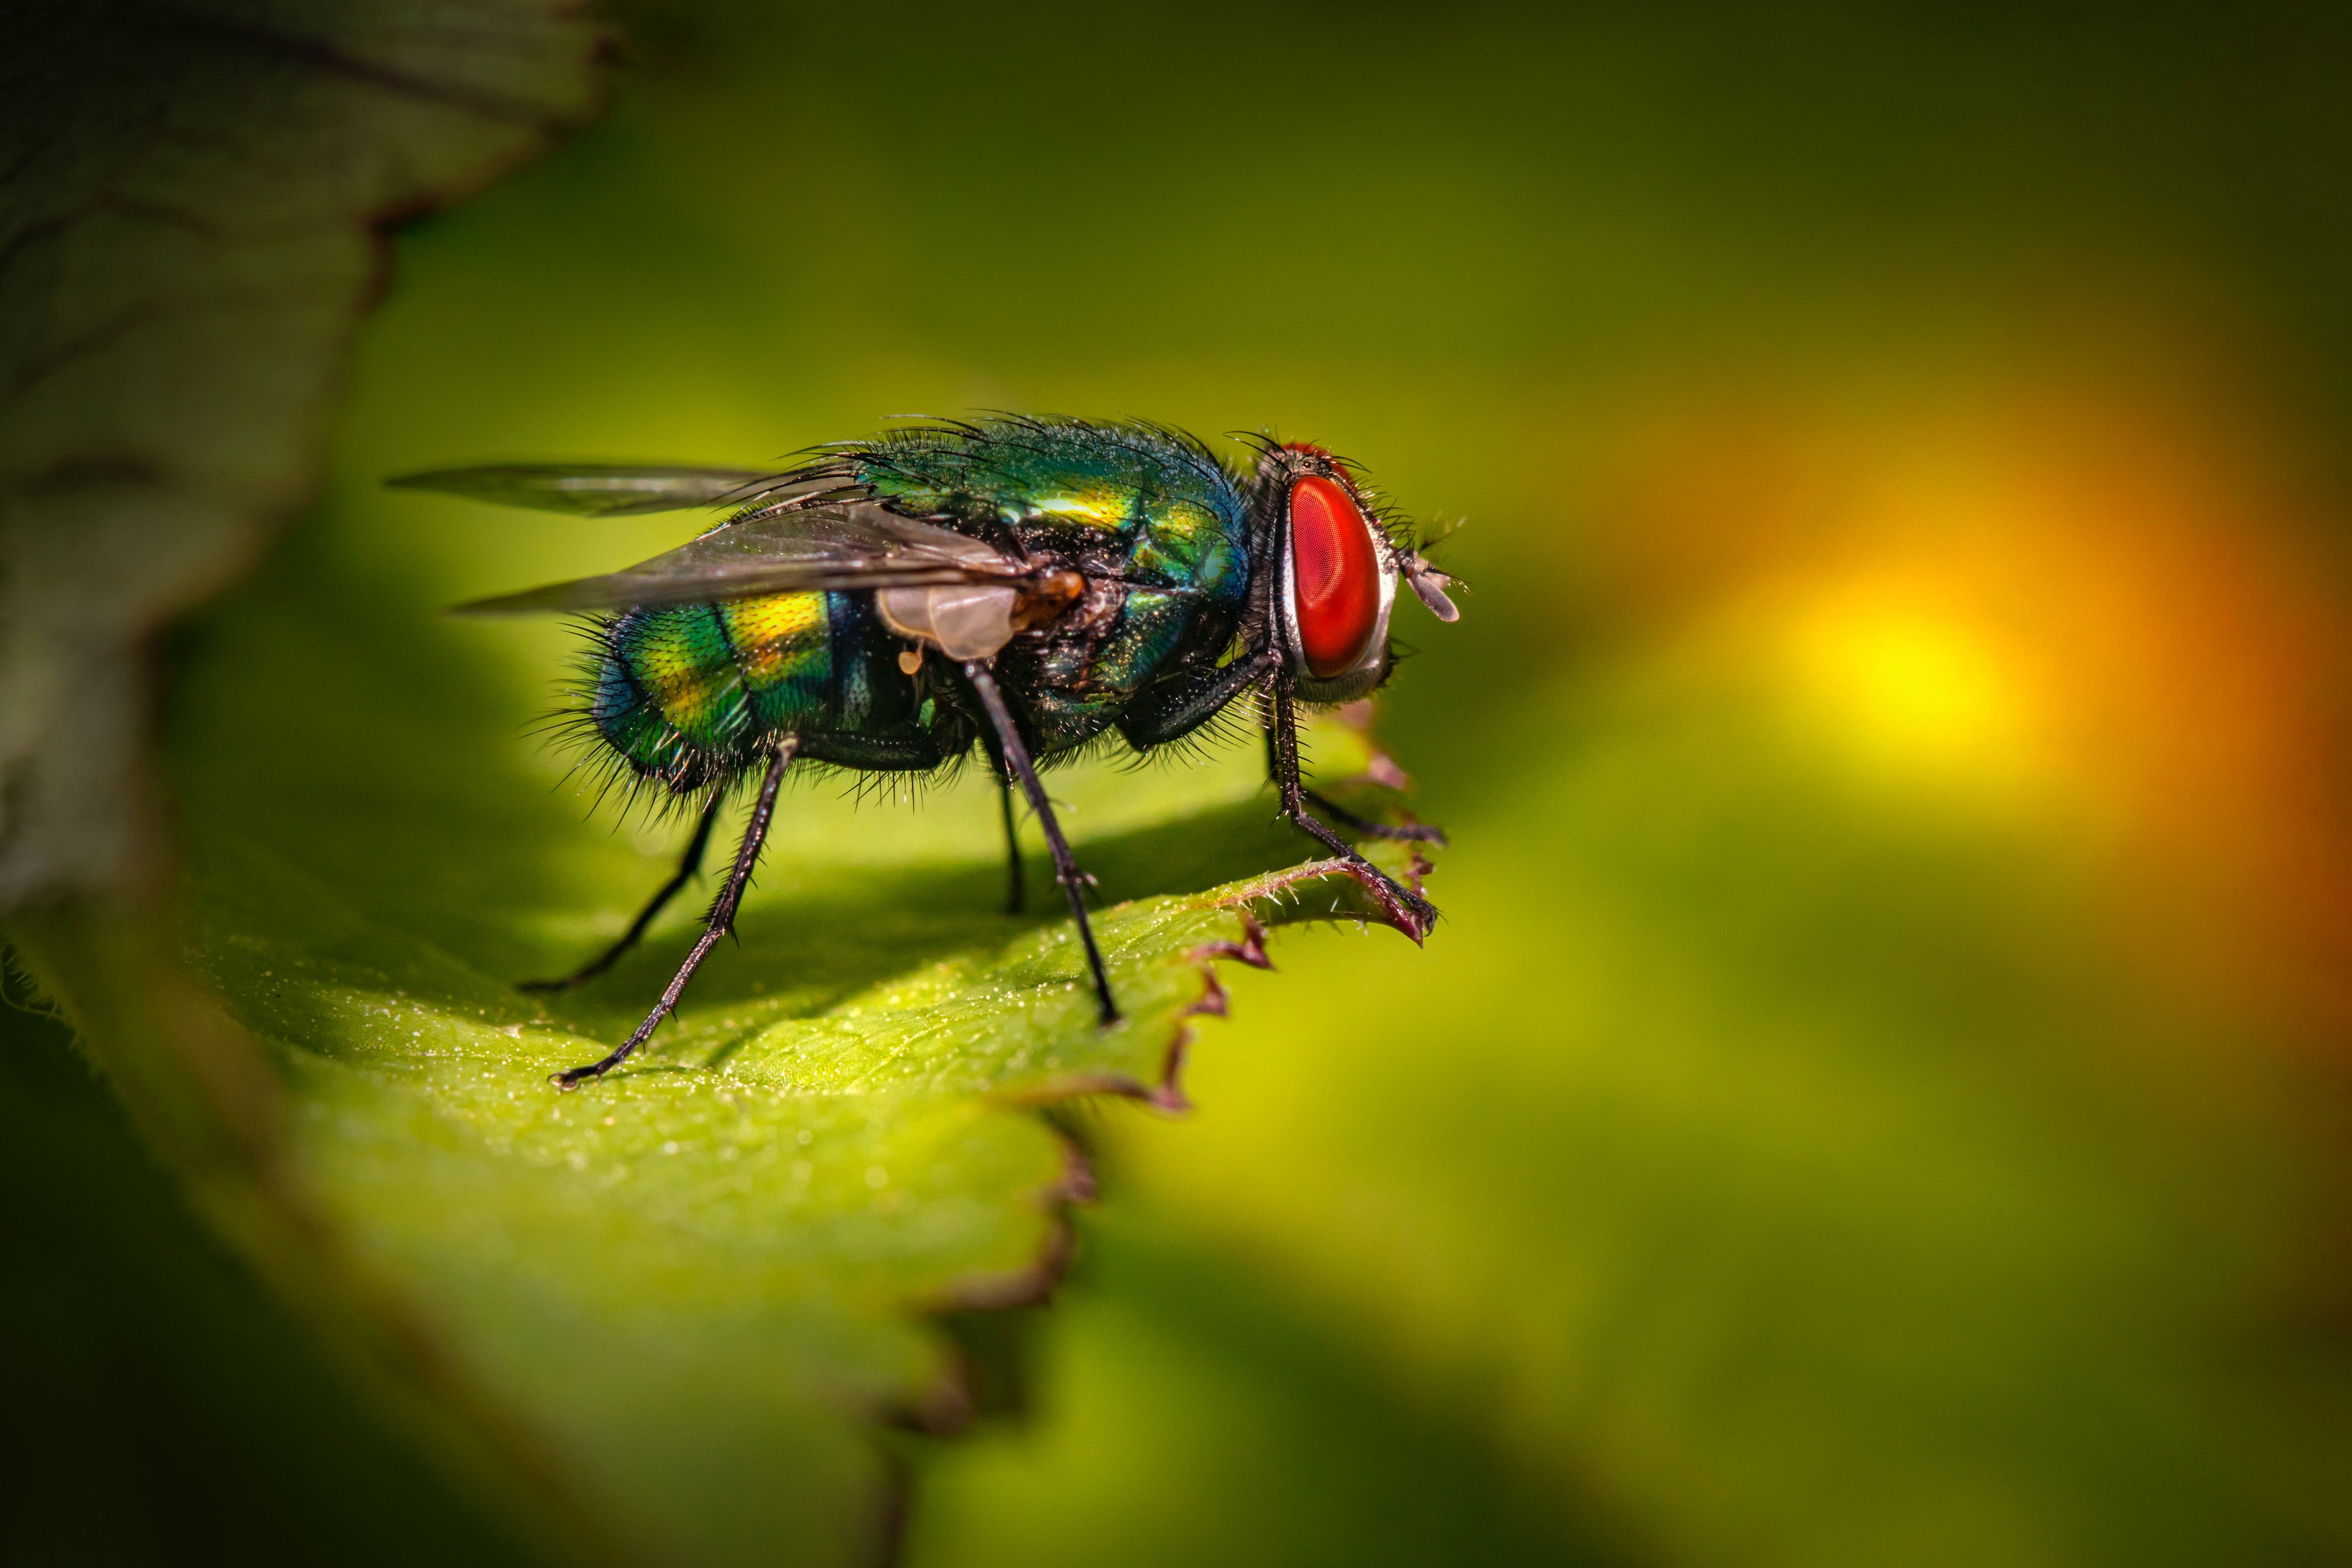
(690, 1293)
(190, 204)
(661, 1319)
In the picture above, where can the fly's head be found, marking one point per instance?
(1331, 573)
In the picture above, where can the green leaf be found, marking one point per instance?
(191, 200)
(683, 1298)
(691, 1280)
(664, 1317)
(734, 1236)
(668, 1312)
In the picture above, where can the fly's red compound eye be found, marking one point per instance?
(1335, 576)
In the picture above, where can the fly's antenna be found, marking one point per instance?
(1434, 588)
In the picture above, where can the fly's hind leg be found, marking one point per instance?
(689, 866)
(1414, 913)
(720, 922)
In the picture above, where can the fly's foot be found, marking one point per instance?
(1400, 905)
(573, 1077)
(1423, 914)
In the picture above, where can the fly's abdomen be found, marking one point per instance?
(687, 692)
(784, 652)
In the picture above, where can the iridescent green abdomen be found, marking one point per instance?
(691, 693)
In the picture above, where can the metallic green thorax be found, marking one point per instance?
(688, 694)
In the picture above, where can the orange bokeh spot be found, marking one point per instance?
(2090, 601)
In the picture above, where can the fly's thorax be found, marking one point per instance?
(1131, 499)
(1074, 474)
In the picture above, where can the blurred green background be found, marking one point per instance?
(1879, 1095)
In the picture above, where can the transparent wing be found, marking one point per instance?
(793, 549)
(598, 489)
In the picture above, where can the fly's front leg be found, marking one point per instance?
(1410, 832)
(1178, 706)
(722, 920)
(1066, 864)
(687, 866)
(1413, 912)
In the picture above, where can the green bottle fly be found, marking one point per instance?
(1026, 587)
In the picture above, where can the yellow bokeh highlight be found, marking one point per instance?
(2087, 609)
(1910, 686)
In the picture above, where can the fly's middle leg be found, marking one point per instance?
(1066, 864)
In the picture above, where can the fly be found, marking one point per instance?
(1075, 578)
